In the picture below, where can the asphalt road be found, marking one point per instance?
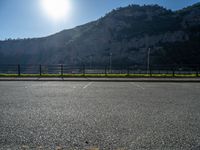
(104, 115)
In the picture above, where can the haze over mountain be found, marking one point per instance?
(126, 33)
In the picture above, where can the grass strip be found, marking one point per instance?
(100, 75)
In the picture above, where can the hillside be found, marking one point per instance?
(127, 33)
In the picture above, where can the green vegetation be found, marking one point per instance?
(101, 75)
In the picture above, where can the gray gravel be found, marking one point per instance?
(105, 115)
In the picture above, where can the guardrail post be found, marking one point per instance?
(40, 70)
(173, 72)
(18, 68)
(61, 70)
(197, 72)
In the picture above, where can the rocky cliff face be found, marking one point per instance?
(127, 33)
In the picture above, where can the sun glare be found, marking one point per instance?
(56, 9)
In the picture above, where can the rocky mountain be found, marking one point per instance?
(125, 33)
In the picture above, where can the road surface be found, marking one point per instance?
(102, 115)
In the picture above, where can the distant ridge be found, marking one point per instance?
(127, 33)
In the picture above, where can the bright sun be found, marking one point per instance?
(56, 9)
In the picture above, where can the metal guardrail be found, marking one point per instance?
(61, 69)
